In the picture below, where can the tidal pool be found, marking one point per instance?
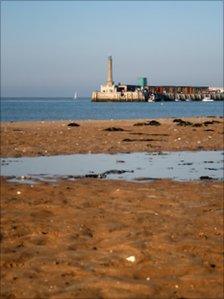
(181, 166)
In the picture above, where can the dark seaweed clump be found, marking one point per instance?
(73, 125)
(113, 129)
(148, 123)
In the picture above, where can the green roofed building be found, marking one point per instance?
(142, 81)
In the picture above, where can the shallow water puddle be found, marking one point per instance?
(132, 166)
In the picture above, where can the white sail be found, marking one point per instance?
(75, 95)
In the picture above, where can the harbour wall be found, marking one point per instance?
(139, 96)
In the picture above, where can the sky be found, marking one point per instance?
(54, 48)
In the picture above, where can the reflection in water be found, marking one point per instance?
(132, 166)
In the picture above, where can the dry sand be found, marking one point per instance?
(53, 138)
(71, 239)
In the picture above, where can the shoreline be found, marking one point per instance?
(43, 138)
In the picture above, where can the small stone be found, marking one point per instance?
(148, 278)
(18, 192)
(131, 258)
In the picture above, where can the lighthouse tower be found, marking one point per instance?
(109, 87)
(109, 72)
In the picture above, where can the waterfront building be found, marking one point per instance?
(143, 92)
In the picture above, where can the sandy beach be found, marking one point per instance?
(56, 137)
(92, 238)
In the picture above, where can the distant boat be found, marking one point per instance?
(151, 99)
(206, 99)
(75, 95)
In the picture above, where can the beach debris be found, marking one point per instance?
(113, 129)
(154, 123)
(205, 177)
(211, 122)
(148, 123)
(131, 258)
(143, 139)
(73, 124)
(177, 120)
(184, 123)
(197, 125)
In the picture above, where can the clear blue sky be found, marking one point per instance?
(52, 48)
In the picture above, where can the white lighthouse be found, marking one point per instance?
(109, 86)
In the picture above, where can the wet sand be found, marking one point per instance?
(93, 238)
(53, 138)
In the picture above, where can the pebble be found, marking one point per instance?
(131, 258)
(18, 192)
(178, 138)
(148, 278)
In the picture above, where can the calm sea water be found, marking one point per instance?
(21, 109)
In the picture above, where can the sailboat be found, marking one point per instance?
(75, 95)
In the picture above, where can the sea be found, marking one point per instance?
(34, 109)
